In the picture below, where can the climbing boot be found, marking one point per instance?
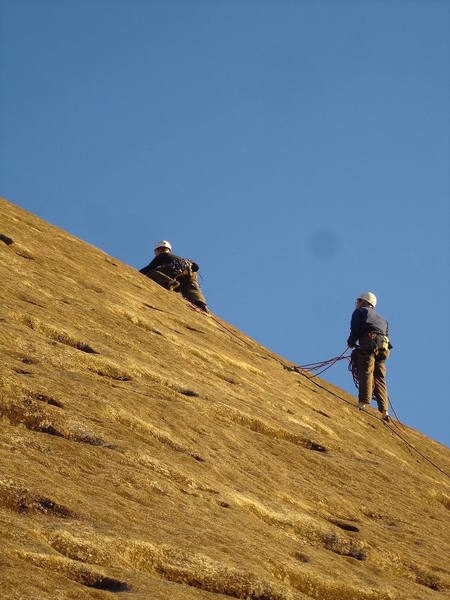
(201, 305)
(385, 416)
(362, 405)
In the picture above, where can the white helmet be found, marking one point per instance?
(368, 297)
(163, 244)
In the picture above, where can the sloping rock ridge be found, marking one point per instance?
(150, 452)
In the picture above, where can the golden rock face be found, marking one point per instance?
(151, 452)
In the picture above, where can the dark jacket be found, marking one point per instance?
(366, 319)
(164, 261)
(168, 269)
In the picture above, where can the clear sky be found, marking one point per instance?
(297, 150)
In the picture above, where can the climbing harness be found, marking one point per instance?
(378, 341)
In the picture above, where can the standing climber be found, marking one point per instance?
(175, 274)
(371, 330)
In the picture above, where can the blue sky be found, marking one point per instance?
(298, 151)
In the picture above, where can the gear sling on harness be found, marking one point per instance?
(177, 267)
(377, 341)
(168, 275)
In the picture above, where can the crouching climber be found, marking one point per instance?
(372, 331)
(175, 274)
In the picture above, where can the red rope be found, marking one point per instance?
(333, 362)
(219, 323)
(322, 366)
(395, 413)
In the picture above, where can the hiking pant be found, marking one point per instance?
(190, 290)
(186, 284)
(164, 280)
(371, 369)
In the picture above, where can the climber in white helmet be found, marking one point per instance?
(162, 246)
(372, 331)
(175, 274)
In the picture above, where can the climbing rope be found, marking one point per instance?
(230, 331)
(324, 365)
(307, 371)
(394, 430)
(219, 323)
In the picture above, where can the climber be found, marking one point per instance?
(371, 330)
(175, 274)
